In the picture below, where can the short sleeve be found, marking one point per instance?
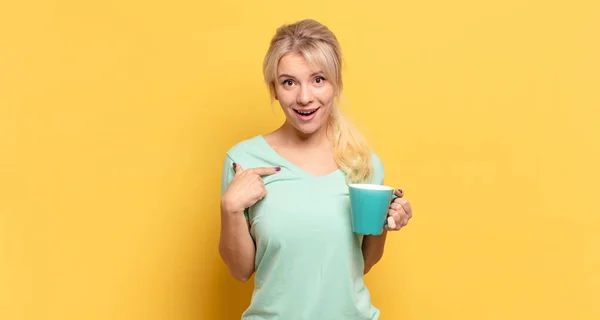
(378, 170)
(227, 174)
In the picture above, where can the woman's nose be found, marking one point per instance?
(305, 96)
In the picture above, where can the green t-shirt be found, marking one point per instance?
(309, 263)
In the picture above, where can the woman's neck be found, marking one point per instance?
(294, 138)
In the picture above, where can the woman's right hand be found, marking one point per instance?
(246, 188)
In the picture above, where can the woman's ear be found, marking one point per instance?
(274, 91)
(337, 94)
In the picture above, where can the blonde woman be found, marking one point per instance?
(284, 207)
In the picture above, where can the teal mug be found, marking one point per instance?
(369, 205)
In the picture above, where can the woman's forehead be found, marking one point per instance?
(297, 65)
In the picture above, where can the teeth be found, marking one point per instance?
(306, 113)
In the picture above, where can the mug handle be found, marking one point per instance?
(394, 196)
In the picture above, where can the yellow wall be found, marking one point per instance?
(115, 116)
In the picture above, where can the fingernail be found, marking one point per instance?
(277, 168)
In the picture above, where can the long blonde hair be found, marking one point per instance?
(319, 45)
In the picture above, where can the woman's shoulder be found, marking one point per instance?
(376, 159)
(252, 152)
(246, 145)
(378, 167)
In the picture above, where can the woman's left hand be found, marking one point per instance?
(399, 212)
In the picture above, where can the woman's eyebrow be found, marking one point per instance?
(285, 75)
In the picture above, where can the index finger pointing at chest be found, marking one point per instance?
(264, 171)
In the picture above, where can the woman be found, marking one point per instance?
(284, 206)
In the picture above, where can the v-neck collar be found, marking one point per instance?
(291, 166)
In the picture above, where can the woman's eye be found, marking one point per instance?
(287, 82)
(319, 80)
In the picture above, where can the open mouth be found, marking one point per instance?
(306, 112)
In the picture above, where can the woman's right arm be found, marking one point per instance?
(236, 246)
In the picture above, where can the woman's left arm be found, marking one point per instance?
(372, 249)
(399, 213)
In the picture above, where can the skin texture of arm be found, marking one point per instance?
(236, 246)
(372, 249)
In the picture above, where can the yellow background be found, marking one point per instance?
(115, 117)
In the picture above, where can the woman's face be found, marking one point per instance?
(304, 94)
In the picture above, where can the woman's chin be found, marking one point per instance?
(305, 126)
(308, 128)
